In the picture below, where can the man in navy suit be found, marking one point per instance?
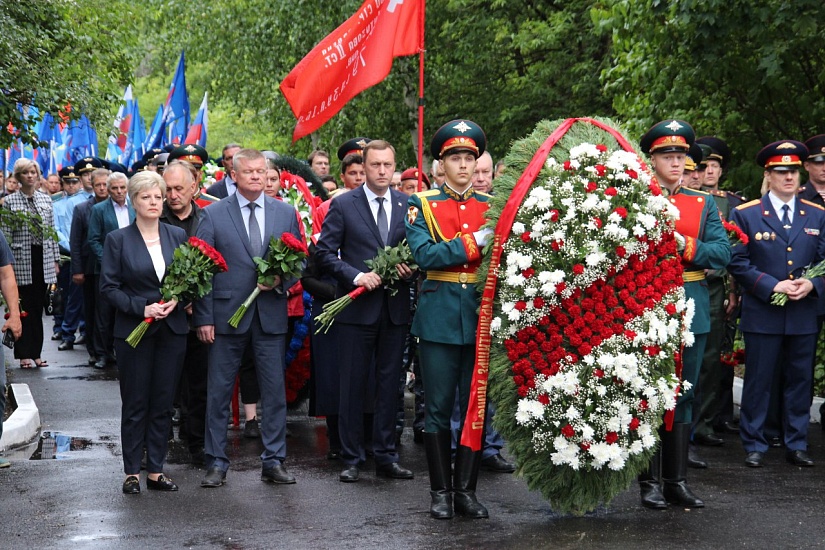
(241, 232)
(371, 331)
(785, 234)
(107, 216)
(226, 186)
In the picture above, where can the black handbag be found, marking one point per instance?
(54, 300)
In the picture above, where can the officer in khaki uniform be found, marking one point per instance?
(445, 236)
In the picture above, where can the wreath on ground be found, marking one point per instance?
(589, 313)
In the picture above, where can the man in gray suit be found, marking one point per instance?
(240, 232)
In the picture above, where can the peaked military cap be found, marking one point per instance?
(67, 174)
(160, 160)
(719, 149)
(816, 148)
(87, 164)
(782, 156)
(703, 164)
(694, 157)
(150, 154)
(189, 152)
(138, 166)
(354, 146)
(668, 136)
(169, 147)
(412, 174)
(460, 134)
(117, 167)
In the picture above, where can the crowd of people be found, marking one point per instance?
(105, 238)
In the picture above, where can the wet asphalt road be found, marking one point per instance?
(75, 501)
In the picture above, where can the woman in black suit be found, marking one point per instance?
(135, 259)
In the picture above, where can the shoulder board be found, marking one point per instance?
(717, 192)
(699, 191)
(809, 203)
(749, 204)
(428, 193)
(487, 195)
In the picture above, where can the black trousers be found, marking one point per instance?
(195, 372)
(148, 375)
(32, 300)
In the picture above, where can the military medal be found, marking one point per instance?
(758, 236)
(773, 236)
(766, 235)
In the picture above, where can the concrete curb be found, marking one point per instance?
(737, 399)
(24, 424)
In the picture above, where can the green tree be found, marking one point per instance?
(60, 53)
(745, 70)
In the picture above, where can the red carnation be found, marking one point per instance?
(601, 170)
(560, 287)
(584, 446)
(521, 305)
(590, 187)
(578, 269)
(598, 373)
(597, 222)
(670, 309)
(621, 211)
(629, 334)
(634, 424)
(538, 302)
(601, 148)
(554, 215)
(568, 431)
(529, 272)
(522, 391)
(621, 251)
(655, 189)
(544, 399)
(632, 173)
(556, 245)
(568, 165)
(611, 437)
(643, 405)
(525, 237)
(610, 191)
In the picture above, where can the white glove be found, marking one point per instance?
(680, 241)
(482, 236)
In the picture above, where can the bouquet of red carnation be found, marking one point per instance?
(735, 234)
(188, 278)
(285, 258)
(384, 265)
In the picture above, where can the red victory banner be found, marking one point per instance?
(355, 56)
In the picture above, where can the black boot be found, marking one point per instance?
(674, 467)
(650, 486)
(437, 446)
(693, 459)
(467, 463)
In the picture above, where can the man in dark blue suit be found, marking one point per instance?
(785, 234)
(371, 331)
(226, 186)
(107, 216)
(240, 228)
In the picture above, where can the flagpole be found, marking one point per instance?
(421, 97)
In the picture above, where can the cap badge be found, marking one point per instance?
(361, 143)
(674, 126)
(189, 149)
(462, 127)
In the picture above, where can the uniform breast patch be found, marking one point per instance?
(412, 214)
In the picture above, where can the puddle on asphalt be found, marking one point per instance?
(59, 446)
(107, 375)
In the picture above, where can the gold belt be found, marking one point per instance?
(452, 277)
(693, 276)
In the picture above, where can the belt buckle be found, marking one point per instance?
(463, 278)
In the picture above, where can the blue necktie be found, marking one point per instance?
(786, 218)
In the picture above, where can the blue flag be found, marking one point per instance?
(176, 108)
(156, 132)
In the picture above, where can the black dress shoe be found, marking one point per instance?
(496, 463)
(754, 459)
(394, 471)
(65, 346)
(251, 430)
(729, 427)
(277, 474)
(162, 483)
(131, 486)
(694, 461)
(709, 440)
(56, 336)
(799, 458)
(349, 474)
(215, 477)
(774, 442)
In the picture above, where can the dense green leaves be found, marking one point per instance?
(58, 53)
